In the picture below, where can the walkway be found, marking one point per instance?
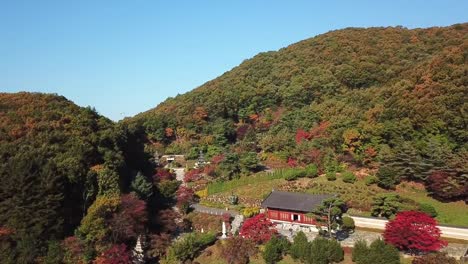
(213, 211)
(180, 174)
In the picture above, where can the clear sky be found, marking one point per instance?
(125, 57)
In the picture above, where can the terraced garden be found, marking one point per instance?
(358, 195)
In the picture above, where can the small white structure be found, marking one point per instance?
(138, 256)
(224, 231)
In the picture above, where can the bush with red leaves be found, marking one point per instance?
(74, 250)
(217, 159)
(258, 228)
(185, 196)
(413, 232)
(445, 186)
(292, 162)
(192, 175)
(163, 175)
(301, 135)
(117, 254)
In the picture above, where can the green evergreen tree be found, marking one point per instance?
(360, 251)
(382, 253)
(273, 251)
(108, 182)
(386, 204)
(324, 251)
(387, 177)
(330, 213)
(299, 246)
(141, 187)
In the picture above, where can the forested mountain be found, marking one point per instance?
(55, 159)
(388, 98)
(76, 187)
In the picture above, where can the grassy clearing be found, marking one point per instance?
(453, 213)
(358, 194)
(218, 187)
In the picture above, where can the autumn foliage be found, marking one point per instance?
(192, 175)
(130, 219)
(301, 135)
(445, 187)
(163, 175)
(413, 232)
(258, 228)
(237, 250)
(117, 254)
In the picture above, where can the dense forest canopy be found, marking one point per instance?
(55, 159)
(376, 97)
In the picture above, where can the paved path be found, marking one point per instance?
(180, 174)
(214, 211)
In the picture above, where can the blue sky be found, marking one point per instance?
(125, 57)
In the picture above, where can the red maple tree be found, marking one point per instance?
(185, 196)
(163, 175)
(130, 219)
(192, 175)
(258, 228)
(301, 135)
(413, 232)
(444, 186)
(117, 254)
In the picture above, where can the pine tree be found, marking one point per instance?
(272, 253)
(360, 251)
(141, 187)
(299, 246)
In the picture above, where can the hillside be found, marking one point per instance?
(55, 159)
(387, 98)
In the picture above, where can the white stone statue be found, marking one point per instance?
(224, 230)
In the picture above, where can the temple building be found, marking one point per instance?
(290, 210)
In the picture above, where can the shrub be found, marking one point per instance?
(428, 209)
(299, 246)
(250, 211)
(324, 251)
(386, 204)
(202, 193)
(387, 178)
(331, 175)
(190, 245)
(447, 186)
(381, 253)
(360, 251)
(294, 174)
(435, 258)
(238, 250)
(348, 177)
(274, 249)
(371, 179)
(290, 177)
(377, 253)
(311, 171)
(348, 224)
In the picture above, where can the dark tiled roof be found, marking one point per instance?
(294, 201)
